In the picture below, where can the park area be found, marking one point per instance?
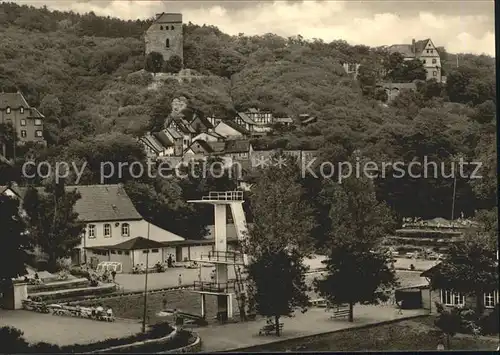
(415, 334)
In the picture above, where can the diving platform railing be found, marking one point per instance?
(215, 287)
(224, 196)
(222, 257)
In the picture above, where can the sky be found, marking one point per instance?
(460, 26)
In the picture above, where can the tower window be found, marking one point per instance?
(167, 43)
(161, 27)
(171, 27)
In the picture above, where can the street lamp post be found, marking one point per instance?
(145, 310)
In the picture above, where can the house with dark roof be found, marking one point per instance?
(255, 121)
(152, 146)
(26, 120)
(201, 124)
(178, 126)
(167, 142)
(423, 50)
(237, 149)
(210, 136)
(394, 89)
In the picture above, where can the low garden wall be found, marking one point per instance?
(194, 347)
(137, 345)
(131, 306)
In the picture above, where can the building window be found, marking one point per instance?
(435, 73)
(125, 230)
(107, 230)
(120, 252)
(490, 299)
(434, 61)
(23, 134)
(167, 43)
(21, 110)
(161, 27)
(38, 122)
(8, 109)
(423, 61)
(113, 252)
(450, 298)
(39, 133)
(91, 231)
(23, 122)
(145, 251)
(127, 253)
(154, 251)
(172, 27)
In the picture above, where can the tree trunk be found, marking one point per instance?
(277, 325)
(479, 303)
(448, 345)
(351, 312)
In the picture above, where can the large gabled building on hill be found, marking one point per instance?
(26, 120)
(423, 50)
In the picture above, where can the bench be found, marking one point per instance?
(340, 311)
(320, 303)
(270, 328)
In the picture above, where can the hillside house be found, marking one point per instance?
(201, 124)
(423, 50)
(210, 136)
(351, 69)
(153, 147)
(26, 120)
(183, 128)
(167, 143)
(238, 149)
(255, 121)
(394, 89)
(229, 129)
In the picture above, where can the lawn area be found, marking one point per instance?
(406, 335)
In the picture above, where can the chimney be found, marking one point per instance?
(413, 49)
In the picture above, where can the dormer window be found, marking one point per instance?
(21, 110)
(8, 110)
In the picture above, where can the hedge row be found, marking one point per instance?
(68, 294)
(58, 286)
(157, 331)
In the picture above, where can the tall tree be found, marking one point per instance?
(52, 221)
(154, 62)
(357, 267)
(278, 241)
(173, 64)
(14, 241)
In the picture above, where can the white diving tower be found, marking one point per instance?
(223, 287)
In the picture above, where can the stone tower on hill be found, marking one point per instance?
(165, 36)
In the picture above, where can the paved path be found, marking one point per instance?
(39, 327)
(314, 321)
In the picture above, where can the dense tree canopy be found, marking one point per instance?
(85, 73)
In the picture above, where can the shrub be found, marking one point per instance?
(489, 323)
(12, 341)
(142, 78)
(63, 264)
(79, 272)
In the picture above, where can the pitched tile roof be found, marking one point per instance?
(14, 100)
(236, 127)
(174, 133)
(101, 203)
(152, 142)
(204, 147)
(35, 113)
(138, 243)
(217, 147)
(237, 146)
(163, 139)
(246, 118)
(165, 17)
(406, 49)
(204, 121)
